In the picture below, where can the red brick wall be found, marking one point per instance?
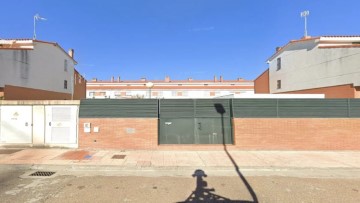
(297, 133)
(1, 92)
(357, 92)
(261, 83)
(114, 133)
(249, 134)
(79, 86)
(22, 93)
(340, 91)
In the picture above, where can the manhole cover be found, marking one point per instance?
(42, 173)
(118, 156)
(9, 151)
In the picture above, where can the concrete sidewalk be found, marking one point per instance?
(184, 160)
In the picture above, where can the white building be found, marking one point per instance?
(327, 65)
(118, 89)
(33, 69)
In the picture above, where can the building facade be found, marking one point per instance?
(119, 89)
(327, 65)
(38, 70)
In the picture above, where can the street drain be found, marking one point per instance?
(118, 156)
(42, 173)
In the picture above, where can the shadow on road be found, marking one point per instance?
(221, 110)
(204, 194)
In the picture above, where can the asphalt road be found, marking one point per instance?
(17, 186)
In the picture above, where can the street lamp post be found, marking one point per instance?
(149, 85)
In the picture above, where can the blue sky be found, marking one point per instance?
(179, 38)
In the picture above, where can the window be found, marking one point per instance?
(65, 65)
(278, 64)
(278, 84)
(100, 94)
(65, 84)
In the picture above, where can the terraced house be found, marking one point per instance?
(327, 65)
(38, 70)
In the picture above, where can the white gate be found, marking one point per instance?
(16, 124)
(61, 122)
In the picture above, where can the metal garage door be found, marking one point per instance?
(61, 122)
(16, 124)
(202, 121)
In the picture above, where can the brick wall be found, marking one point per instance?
(79, 86)
(119, 133)
(22, 93)
(340, 91)
(297, 133)
(261, 83)
(249, 134)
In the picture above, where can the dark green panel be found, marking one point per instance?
(254, 108)
(176, 131)
(354, 108)
(213, 131)
(313, 108)
(177, 108)
(214, 108)
(118, 108)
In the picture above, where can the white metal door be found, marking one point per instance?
(16, 124)
(61, 124)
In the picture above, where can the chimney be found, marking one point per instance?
(190, 79)
(277, 49)
(112, 79)
(221, 78)
(142, 79)
(118, 79)
(306, 37)
(240, 79)
(167, 79)
(215, 79)
(71, 53)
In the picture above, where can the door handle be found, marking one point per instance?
(199, 125)
(49, 123)
(26, 124)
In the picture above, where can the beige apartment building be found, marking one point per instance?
(167, 88)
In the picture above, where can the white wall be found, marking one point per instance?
(39, 121)
(41, 68)
(169, 94)
(275, 96)
(305, 66)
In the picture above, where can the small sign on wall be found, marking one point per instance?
(130, 130)
(87, 127)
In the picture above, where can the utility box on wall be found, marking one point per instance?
(87, 127)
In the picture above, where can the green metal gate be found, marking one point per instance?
(202, 121)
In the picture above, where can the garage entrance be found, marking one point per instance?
(201, 121)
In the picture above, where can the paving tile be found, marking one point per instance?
(75, 155)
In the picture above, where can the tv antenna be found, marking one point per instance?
(36, 18)
(304, 15)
